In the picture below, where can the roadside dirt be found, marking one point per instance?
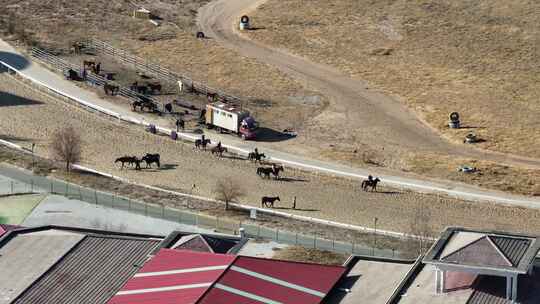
(33, 118)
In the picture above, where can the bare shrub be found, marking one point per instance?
(66, 146)
(228, 190)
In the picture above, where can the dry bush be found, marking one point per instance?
(66, 146)
(228, 191)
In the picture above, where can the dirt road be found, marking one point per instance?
(355, 113)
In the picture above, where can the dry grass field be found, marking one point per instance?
(57, 24)
(32, 117)
(479, 58)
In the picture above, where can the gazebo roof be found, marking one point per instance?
(487, 251)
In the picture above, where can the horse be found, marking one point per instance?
(89, 64)
(113, 89)
(151, 158)
(256, 156)
(218, 150)
(268, 201)
(141, 89)
(154, 87)
(125, 159)
(265, 171)
(276, 170)
(202, 143)
(370, 183)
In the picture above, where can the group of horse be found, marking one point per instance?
(145, 89)
(148, 158)
(203, 143)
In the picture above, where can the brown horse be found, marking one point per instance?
(370, 183)
(268, 201)
(218, 150)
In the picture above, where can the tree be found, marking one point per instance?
(228, 190)
(66, 146)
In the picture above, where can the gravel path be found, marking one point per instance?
(35, 117)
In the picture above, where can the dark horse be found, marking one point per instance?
(202, 143)
(130, 160)
(370, 183)
(268, 201)
(218, 150)
(256, 156)
(151, 158)
(112, 89)
(144, 102)
(154, 87)
(265, 172)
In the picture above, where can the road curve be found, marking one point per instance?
(389, 123)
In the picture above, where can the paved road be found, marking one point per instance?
(464, 191)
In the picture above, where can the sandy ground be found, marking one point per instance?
(33, 118)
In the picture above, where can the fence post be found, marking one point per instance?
(333, 244)
(277, 234)
(32, 185)
(296, 240)
(51, 187)
(112, 199)
(314, 242)
(145, 209)
(67, 190)
(80, 193)
(11, 187)
(258, 231)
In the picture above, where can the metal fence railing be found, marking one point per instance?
(189, 217)
(157, 70)
(11, 187)
(91, 78)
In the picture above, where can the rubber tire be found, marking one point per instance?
(243, 136)
(244, 19)
(200, 35)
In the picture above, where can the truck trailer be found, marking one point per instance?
(228, 118)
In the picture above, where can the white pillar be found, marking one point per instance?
(508, 287)
(514, 288)
(438, 281)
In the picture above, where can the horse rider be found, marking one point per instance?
(219, 145)
(256, 152)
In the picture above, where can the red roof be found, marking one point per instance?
(186, 277)
(256, 280)
(5, 228)
(173, 276)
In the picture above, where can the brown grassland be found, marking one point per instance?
(479, 58)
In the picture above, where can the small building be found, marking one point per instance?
(142, 13)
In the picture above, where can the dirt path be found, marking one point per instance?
(355, 112)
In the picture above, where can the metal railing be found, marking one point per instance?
(91, 78)
(156, 70)
(189, 217)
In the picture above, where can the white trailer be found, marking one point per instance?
(225, 117)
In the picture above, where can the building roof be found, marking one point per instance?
(173, 276)
(214, 243)
(363, 284)
(4, 228)
(188, 277)
(488, 251)
(254, 280)
(27, 256)
(91, 272)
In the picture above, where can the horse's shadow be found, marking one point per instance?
(163, 167)
(234, 157)
(291, 179)
(387, 192)
(298, 209)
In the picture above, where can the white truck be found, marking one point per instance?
(228, 118)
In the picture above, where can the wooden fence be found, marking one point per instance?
(156, 70)
(91, 78)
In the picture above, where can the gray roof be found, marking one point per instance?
(28, 256)
(92, 272)
(484, 251)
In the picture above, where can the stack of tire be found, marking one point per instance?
(244, 23)
(454, 121)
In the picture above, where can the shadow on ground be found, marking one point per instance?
(270, 135)
(10, 100)
(16, 61)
